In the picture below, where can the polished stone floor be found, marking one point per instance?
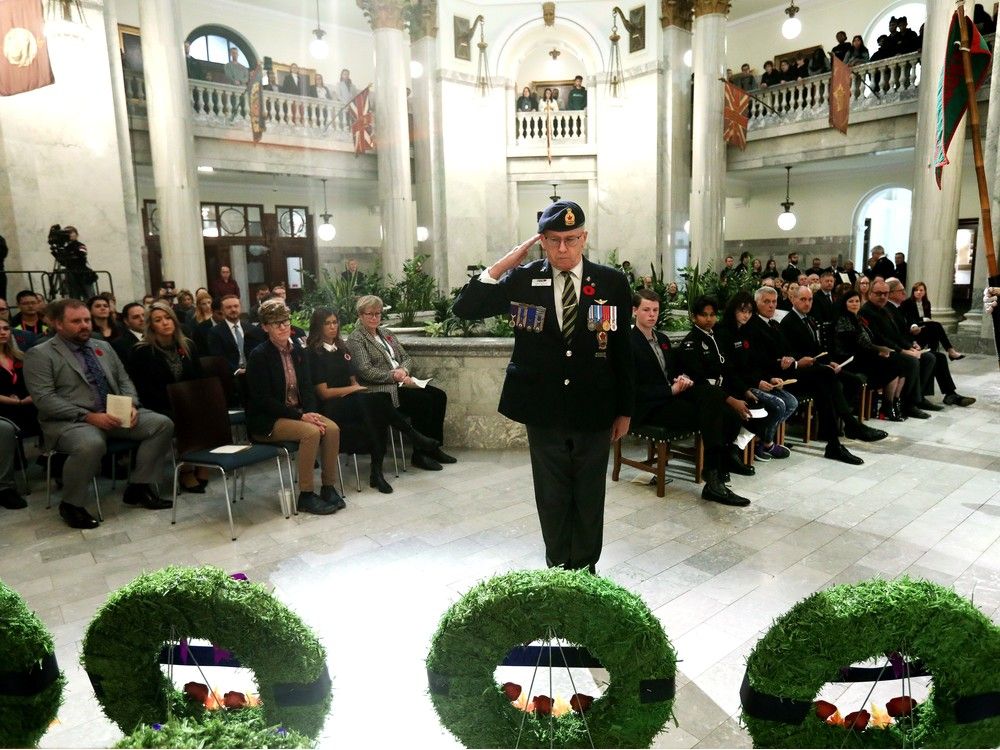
(375, 578)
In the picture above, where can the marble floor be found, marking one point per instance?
(381, 572)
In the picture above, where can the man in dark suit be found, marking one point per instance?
(231, 339)
(801, 332)
(70, 377)
(791, 272)
(822, 308)
(665, 396)
(900, 271)
(296, 83)
(134, 315)
(570, 377)
(879, 265)
(918, 369)
(772, 356)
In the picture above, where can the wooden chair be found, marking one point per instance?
(201, 425)
(658, 452)
(810, 420)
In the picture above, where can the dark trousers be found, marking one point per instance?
(368, 415)
(425, 407)
(827, 392)
(569, 469)
(942, 373)
(701, 408)
(933, 336)
(919, 374)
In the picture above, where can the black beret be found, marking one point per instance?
(561, 216)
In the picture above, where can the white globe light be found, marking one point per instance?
(422, 234)
(786, 221)
(687, 227)
(416, 69)
(689, 58)
(791, 28)
(326, 232)
(319, 49)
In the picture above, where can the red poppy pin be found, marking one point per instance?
(746, 344)
(589, 290)
(98, 352)
(182, 352)
(18, 364)
(664, 346)
(347, 357)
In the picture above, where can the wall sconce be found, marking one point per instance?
(464, 40)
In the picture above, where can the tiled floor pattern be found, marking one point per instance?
(375, 578)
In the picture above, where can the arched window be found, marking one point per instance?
(915, 13)
(882, 218)
(211, 44)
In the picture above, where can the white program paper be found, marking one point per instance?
(120, 407)
(417, 383)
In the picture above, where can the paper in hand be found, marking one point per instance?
(758, 413)
(417, 383)
(120, 407)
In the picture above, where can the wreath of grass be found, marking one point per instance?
(808, 645)
(232, 729)
(122, 646)
(478, 631)
(31, 684)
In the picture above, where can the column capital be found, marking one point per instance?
(422, 15)
(706, 7)
(676, 13)
(385, 14)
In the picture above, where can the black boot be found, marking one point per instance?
(377, 478)
(733, 461)
(421, 443)
(717, 492)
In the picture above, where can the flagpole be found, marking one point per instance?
(337, 113)
(977, 144)
(756, 99)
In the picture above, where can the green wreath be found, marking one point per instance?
(922, 625)
(122, 646)
(231, 729)
(31, 684)
(614, 625)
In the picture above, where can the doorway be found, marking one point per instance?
(882, 218)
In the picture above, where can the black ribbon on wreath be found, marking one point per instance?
(30, 681)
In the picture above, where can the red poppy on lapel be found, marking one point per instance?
(182, 352)
(98, 352)
(746, 344)
(589, 290)
(665, 346)
(18, 364)
(347, 357)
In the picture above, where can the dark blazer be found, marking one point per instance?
(199, 334)
(222, 343)
(652, 388)
(899, 320)
(914, 314)
(883, 267)
(148, 369)
(798, 335)
(265, 382)
(767, 347)
(303, 89)
(123, 346)
(822, 308)
(882, 327)
(791, 273)
(549, 383)
(900, 273)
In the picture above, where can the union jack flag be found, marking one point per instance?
(363, 125)
(735, 117)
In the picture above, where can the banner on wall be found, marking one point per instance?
(24, 65)
(735, 116)
(255, 99)
(840, 95)
(363, 123)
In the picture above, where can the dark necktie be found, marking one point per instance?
(569, 306)
(238, 335)
(773, 324)
(96, 377)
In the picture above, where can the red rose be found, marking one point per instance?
(196, 691)
(901, 706)
(589, 290)
(233, 699)
(512, 690)
(543, 704)
(98, 352)
(857, 720)
(580, 702)
(824, 710)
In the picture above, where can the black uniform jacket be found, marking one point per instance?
(652, 387)
(579, 386)
(882, 327)
(722, 356)
(266, 388)
(767, 347)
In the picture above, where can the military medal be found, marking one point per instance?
(539, 312)
(602, 340)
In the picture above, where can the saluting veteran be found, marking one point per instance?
(570, 377)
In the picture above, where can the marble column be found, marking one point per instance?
(674, 167)
(171, 143)
(428, 161)
(935, 212)
(708, 174)
(392, 133)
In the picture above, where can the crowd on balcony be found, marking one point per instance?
(576, 98)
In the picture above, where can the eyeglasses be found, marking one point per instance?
(879, 294)
(376, 314)
(555, 242)
(286, 323)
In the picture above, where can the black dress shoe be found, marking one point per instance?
(195, 489)
(425, 462)
(77, 517)
(865, 433)
(310, 502)
(441, 457)
(329, 495)
(716, 491)
(144, 495)
(838, 452)
(11, 500)
(734, 463)
(915, 413)
(378, 481)
(928, 406)
(956, 399)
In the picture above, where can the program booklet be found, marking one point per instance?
(120, 407)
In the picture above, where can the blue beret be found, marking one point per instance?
(561, 216)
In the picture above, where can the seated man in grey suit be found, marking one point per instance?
(69, 378)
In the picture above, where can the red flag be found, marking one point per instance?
(363, 125)
(735, 117)
(840, 95)
(24, 64)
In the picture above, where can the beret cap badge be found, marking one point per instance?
(570, 218)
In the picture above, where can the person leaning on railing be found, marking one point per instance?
(858, 52)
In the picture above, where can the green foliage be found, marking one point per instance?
(236, 729)
(480, 629)
(417, 291)
(807, 646)
(123, 642)
(24, 640)
(707, 282)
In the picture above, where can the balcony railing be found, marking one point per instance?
(534, 128)
(225, 107)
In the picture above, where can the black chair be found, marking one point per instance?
(22, 460)
(114, 447)
(218, 367)
(201, 428)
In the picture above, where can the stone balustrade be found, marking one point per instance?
(221, 106)
(534, 128)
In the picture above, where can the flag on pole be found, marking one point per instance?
(840, 95)
(363, 125)
(24, 64)
(255, 100)
(734, 116)
(953, 95)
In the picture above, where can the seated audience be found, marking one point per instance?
(857, 53)
(757, 268)
(29, 317)
(862, 284)
(852, 340)
(823, 302)
(674, 296)
(383, 366)
(184, 307)
(527, 102)
(199, 333)
(134, 330)
(667, 397)
(224, 284)
(281, 407)
(104, 325)
(770, 76)
(842, 46)
(231, 339)
(69, 378)
(929, 333)
(15, 401)
(346, 402)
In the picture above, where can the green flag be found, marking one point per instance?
(953, 95)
